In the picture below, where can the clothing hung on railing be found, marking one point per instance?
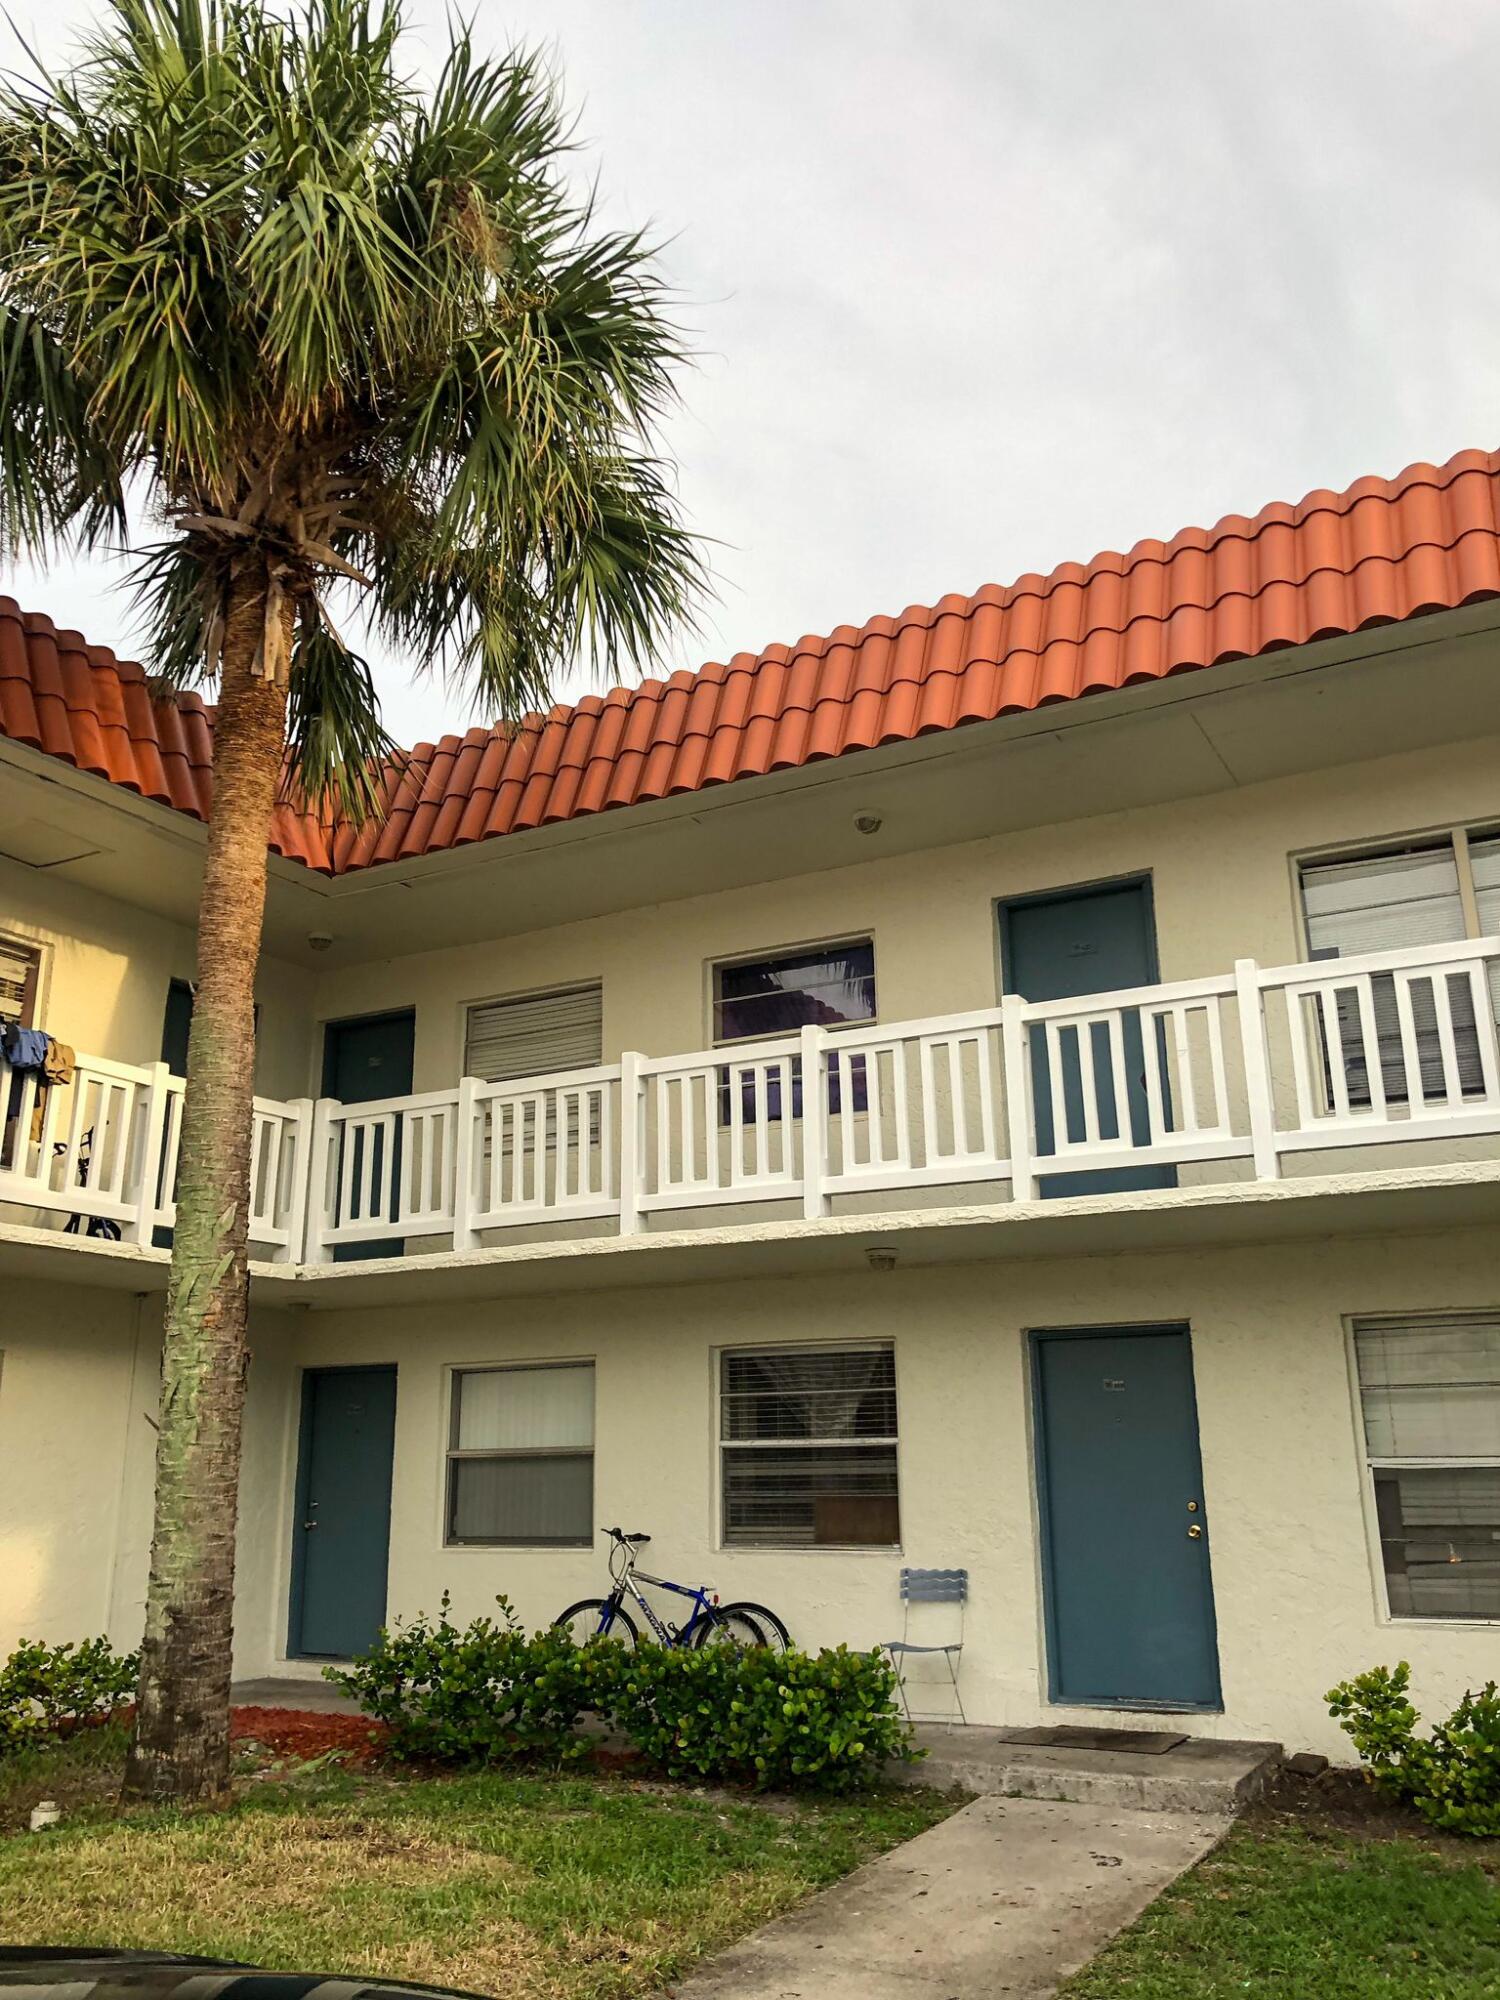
(33, 1052)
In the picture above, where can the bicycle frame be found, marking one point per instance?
(627, 1584)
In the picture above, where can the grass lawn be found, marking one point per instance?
(533, 1885)
(1324, 1893)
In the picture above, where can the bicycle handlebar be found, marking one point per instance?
(619, 1535)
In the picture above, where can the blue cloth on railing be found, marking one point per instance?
(26, 1052)
(26, 1048)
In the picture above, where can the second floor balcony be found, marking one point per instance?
(1249, 1076)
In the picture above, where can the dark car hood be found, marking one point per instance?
(43, 1970)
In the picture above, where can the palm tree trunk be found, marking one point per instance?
(181, 1744)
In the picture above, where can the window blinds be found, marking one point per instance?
(1431, 1388)
(1386, 902)
(18, 964)
(531, 1037)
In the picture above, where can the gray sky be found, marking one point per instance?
(981, 288)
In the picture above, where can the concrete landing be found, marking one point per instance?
(1199, 1775)
(320, 1697)
(1010, 1897)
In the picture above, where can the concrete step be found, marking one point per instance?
(1199, 1775)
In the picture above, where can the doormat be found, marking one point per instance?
(1145, 1742)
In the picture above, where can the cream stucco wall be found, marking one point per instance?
(79, 1381)
(1220, 866)
(1298, 1603)
(106, 968)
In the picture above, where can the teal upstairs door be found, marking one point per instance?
(341, 1543)
(365, 1059)
(1126, 1578)
(1063, 947)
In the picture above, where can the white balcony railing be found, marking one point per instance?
(1252, 1066)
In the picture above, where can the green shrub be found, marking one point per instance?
(826, 1722)
(756, 1717)
(1452, 1777)
(45, 1691)
(451, 1696)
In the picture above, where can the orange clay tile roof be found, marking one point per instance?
(1335, 563)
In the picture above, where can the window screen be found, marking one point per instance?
(1381, 903)
(808, 1448)
(541, 1034)
(19, 964)
(521, 1456)
(1430, 1402)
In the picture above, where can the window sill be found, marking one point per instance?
(515, 1548)
(1410, 1622)
(802, 1549)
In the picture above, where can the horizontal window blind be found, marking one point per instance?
(1385, 902)
(542, 1033)
(808, 1446)
(1430, 1390)
(18, 970)
(521, 1458)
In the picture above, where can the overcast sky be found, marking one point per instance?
(983, 288)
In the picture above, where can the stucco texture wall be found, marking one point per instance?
(79, 1382)
(1220, 866)
(1297, 1598)
(106, 969)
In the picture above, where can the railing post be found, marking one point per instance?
(815, 1201)
(632, 1128)
(1261, 1104)
(318, 1209)
(1015, 1071)
(463, 1162)
(290, 1252)
(142, 1224)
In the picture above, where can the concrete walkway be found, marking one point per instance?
(1009, 1896)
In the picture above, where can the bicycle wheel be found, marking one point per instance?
(773, 1633)
(725, 1627)
(596, 1617)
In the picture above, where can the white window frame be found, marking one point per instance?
(1369, 1466)
(718, 1443)
(1457, 835)
(842, 942)
(452, 1375)
(34, 949)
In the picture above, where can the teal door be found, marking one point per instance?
(341, 1540)
(1126, 1578)
(1061, 947)
(363, 1060)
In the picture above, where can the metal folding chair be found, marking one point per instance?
(924, 1587)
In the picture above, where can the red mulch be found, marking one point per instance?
(304, 1733)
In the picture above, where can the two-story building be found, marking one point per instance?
(1012, 1086)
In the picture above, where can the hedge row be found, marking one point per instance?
(824, 1722)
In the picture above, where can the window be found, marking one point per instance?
(535, 1036)
(1430, 1401)
(808, 1448)
(19, 967)
(1435, 891)
(521, 1456)
(823, 986)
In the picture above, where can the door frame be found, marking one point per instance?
(1140, 878)
(1035, 1337)
(297, 1577)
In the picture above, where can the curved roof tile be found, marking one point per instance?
(1332, 564)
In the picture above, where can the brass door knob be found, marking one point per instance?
(1194, 1532)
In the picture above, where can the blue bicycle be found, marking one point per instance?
(708, 1624)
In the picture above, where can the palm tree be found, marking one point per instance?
(330, 333)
